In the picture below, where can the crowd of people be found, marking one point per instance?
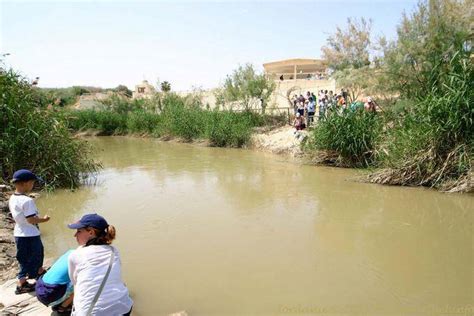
(306, 107)
(83, 281)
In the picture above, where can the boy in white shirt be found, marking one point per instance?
(30, 252)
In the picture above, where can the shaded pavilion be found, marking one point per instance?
(297, 68)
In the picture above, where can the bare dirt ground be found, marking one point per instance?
(8, 262)
(283, 140)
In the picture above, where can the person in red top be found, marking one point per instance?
(341, 102)
(298, 123)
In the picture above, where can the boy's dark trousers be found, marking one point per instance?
(30, 255)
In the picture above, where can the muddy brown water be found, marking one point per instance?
(235, 232)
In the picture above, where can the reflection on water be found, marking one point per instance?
(233, 232)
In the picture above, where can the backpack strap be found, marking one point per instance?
(101, 287)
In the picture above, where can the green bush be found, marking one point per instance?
(229, 129)
(143, 122)
(351, 136)
(36, 138)
(107, 122)
(182, 121)
(177, 119)
(432, 143)
(123, 105)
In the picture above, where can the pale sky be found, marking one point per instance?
(188, 43)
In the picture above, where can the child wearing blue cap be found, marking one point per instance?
(30, 252)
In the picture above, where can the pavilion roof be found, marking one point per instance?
(302, 65)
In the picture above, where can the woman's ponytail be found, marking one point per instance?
(104, 237)
(110, 234)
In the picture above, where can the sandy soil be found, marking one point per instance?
(283, 140)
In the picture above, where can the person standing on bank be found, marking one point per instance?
(95, 270)
(311, 111)
(29, 248)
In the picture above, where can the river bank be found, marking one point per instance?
(8, 262)
(352, 139)
(286, 141)
(11, 304)
(281, 140)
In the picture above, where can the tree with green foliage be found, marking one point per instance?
(428, 40)
(245, 86)
(165, 86)
(431, 142)
(357, 81)
(347, 53)
(349, 47)
(123, 90)
(349, 138)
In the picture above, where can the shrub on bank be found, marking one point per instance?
(122, 105)
(224, 128)
(139, 122)
(182, 121)
(433, 142)
(229, 129)
(107, 122)
(176, 118)
(346, 139)
(36, 138)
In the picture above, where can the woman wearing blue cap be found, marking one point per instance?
(95, 270)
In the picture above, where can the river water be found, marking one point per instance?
(234, 232)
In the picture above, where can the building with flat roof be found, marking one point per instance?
(297, 76)
(291, 76)
(297, 68)
(143, 90)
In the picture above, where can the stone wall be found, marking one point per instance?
(300, 86)
(279, 96)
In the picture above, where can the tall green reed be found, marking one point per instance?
(36, 138)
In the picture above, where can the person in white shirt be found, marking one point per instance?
(29, 248)
(95, 270)
(311, 110)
